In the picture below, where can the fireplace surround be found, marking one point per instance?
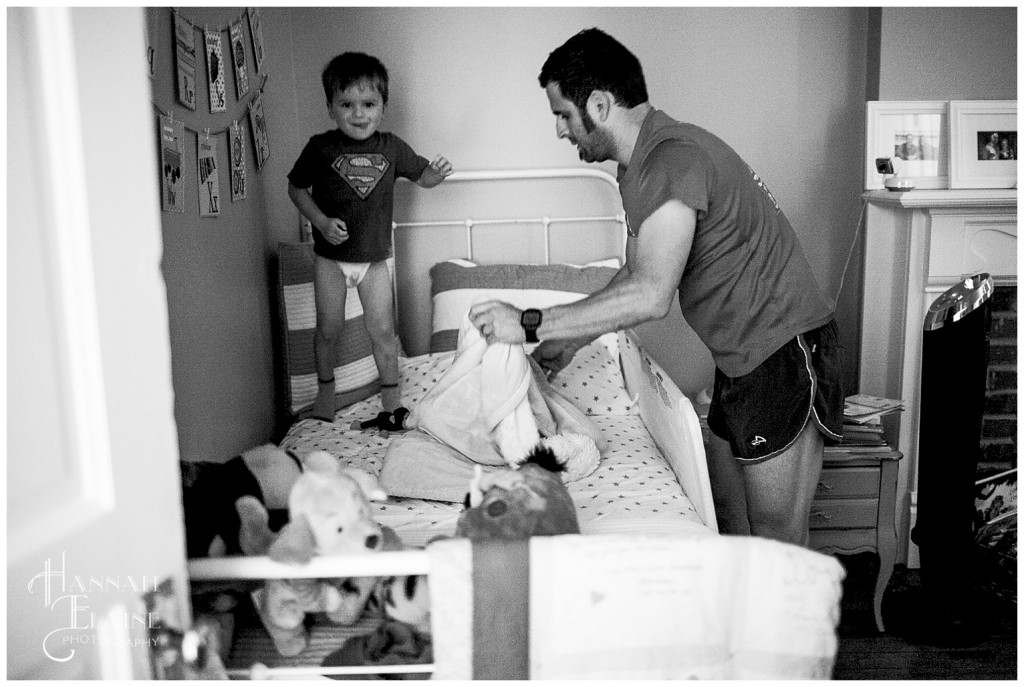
(918, 244)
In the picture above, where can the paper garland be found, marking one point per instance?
(171, 136)
(172, 132)
(237, 162)
(239, 60)
(185, 52)
(215, 72)
(256, 31)
(209, 177)
(258, 122)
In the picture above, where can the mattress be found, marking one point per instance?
(632, 490)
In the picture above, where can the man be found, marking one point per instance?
(701, 224)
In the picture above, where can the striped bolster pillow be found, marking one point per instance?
(456, 284)
(355, 373)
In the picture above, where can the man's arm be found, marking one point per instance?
(644, 289)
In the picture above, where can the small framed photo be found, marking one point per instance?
(984, 143)
(913, 136)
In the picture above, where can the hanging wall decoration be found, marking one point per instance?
(256, 30)
(249, 96)
(215, 71)
(209, 178)
(258, 122)
(185, 52)
(237, 139)
(239, 60)
(171, 136)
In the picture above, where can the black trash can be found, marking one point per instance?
(953, 378)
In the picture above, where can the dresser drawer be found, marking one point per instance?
(846, 483)
(828, 514)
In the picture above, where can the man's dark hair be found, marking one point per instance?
(592, 60)
(352, 67)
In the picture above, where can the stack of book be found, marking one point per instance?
(862, 424)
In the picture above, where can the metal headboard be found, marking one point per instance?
(546, 222)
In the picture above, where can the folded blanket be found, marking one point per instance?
(633, 607)
(494, 405)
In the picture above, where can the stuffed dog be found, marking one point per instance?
(328, 514)
(517, 504)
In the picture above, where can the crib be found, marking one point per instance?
(648, 589)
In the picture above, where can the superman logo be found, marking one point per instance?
(362, 171)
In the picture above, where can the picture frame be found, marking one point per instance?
(914, 136)
(983, 151)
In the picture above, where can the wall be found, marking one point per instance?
(216, 268)
(785, 86)
(948, 53)
(461, 88)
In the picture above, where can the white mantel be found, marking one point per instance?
(918, 244)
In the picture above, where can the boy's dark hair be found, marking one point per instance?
(352, 67)
(592, 60)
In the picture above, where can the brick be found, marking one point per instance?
(997, 426)
(1002, 352)
(1004, 326)
(1004, 298)
(1001, 402)
(1005, 451)
(1001, 378)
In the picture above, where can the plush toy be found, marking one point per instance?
(517, 504)
(210, 490)
(328, 514)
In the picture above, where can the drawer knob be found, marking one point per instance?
(820, 515)
(825, 486)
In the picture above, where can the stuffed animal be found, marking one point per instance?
(517, 504)
(210, 490)
(329, 514)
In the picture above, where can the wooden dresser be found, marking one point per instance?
(854, 511)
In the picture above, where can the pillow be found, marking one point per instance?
(593, 381)
(456, 284)
(355, 374)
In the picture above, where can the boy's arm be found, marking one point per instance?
(333, 229)
(435, 172)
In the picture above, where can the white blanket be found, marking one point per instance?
(493, 405)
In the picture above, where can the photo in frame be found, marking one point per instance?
(914, 135)
(983, 151)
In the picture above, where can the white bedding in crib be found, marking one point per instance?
(633, 489)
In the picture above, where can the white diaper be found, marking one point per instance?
(354, 272)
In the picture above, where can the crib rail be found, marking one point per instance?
(381, 564)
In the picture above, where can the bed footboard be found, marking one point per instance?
(670, 418)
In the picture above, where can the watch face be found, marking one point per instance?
(530, 318)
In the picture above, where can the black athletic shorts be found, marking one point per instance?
(763, 412)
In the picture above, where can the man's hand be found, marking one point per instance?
(334, 230)
(553, 356)
(498, 322)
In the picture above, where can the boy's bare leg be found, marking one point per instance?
(780, 490)
(727, 488)
(330, 291)
(375, 292)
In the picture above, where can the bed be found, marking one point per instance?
(648, 546)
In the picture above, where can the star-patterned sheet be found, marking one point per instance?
(632, 490)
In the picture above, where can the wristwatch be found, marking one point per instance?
(530, 320)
